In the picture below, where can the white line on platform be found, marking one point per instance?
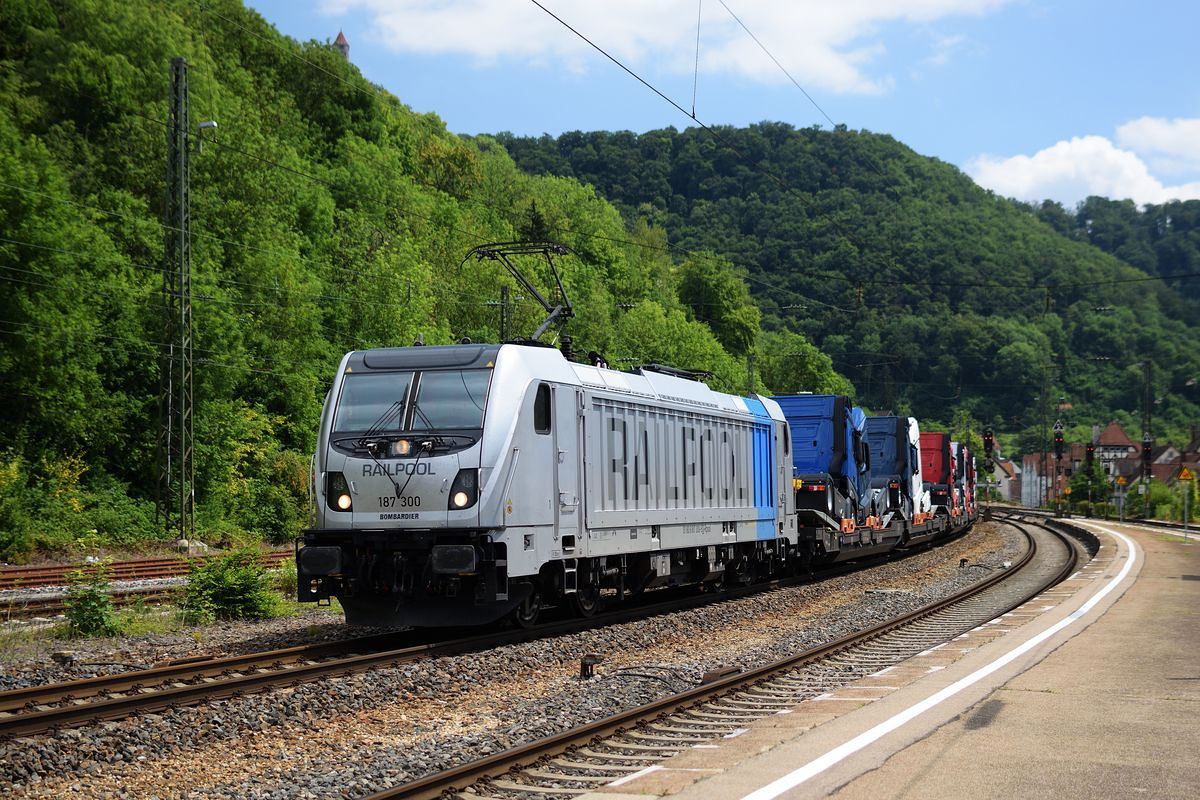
(838, 754)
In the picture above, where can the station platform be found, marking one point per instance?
(1090, 690)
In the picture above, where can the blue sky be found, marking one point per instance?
(1034, 99)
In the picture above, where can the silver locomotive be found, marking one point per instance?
(460, 484)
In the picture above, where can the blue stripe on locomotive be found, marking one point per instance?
(764, 469)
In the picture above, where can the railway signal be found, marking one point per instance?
(1059, 445)
(1147, 457)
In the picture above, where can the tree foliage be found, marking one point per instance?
(326, 216)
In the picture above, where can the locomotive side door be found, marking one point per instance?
(568, 451)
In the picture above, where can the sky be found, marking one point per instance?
(1034, 99)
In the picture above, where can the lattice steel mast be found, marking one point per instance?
(176, 500)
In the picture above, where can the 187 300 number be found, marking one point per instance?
(403, 501)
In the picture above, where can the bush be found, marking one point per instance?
(233, 586)
(16, 523)
(284, 578)
(89, 606)
(120, 520)
(48, 507)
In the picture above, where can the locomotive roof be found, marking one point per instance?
(651, 381)
(424, 357)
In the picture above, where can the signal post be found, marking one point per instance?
(1186, 477)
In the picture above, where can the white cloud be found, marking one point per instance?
(944, 50)
(1072, 170)
(1172, 145)
(829, 46)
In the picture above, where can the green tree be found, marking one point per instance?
(650, 334)
(789, 364)
(718, 296)
(924, 288)
(1089, 486)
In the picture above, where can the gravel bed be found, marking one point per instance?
(352, 736)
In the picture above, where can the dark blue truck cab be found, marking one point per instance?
(830, 462)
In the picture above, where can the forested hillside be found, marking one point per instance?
(930, 293)
(325, 216)
(1162, 240)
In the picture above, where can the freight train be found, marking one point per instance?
(465, 484)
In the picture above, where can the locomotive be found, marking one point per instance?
(460, 484)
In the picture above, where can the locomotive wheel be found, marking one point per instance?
(587, 600)
(526, 614)
(799, 563)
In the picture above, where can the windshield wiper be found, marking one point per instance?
(417, 412)
(378, 425)
(370, 440)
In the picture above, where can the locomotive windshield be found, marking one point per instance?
(450, 399)
(432, 400)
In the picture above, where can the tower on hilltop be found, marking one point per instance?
(342, 45)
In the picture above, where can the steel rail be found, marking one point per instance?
(13, 578)
(37, 709)
(43, 605)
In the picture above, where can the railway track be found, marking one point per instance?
(12, 578)
(598, 754)
(50, 605)
(32, 710)
(1166, 525)
(37, 709)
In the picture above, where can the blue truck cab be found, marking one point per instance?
(830, 460)
(896, 483)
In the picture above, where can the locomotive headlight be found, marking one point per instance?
(401, 447)
(337, 492)
(465, 489)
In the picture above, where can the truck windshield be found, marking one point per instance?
(385, 402)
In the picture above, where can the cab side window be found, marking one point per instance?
(541, 409)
